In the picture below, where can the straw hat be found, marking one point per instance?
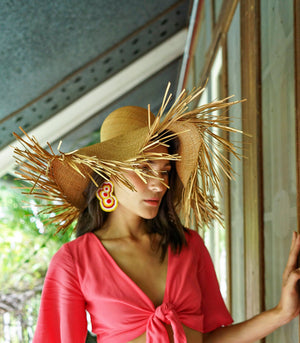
(126, 136)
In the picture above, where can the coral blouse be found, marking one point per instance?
(83, 276)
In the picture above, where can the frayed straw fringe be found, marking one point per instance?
(197, 205)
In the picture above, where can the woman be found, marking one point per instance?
(140, 273)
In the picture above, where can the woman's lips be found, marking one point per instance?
(152, 202)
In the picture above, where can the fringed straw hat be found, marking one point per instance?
(126, 136)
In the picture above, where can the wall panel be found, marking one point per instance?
(279, 149)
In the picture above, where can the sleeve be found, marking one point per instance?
(215, 313)
(62, 316)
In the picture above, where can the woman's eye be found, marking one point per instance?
(153, 172)
(147, 171)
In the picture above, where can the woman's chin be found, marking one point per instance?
(150, 214)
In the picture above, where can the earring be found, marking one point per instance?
(108, 202)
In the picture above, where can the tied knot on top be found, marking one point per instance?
(165, 314)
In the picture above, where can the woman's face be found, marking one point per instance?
(145, 201)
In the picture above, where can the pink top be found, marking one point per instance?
(83, 276)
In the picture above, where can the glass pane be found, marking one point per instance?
(279, 156)
(200, 51)
(218, 6)
(236, 185)
(215, 236)
(208, 23)
(203, 40)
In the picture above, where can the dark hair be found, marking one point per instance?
(167, 223)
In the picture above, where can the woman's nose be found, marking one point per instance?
(155, 185)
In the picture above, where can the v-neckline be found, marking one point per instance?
(112, 260)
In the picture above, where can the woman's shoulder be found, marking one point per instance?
(77, 246)
(87, 238)
(194, 243)
(193, 237)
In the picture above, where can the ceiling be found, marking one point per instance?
(66, 64)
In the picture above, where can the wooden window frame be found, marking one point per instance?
(253, 205)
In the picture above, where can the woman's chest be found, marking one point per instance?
(144, 268)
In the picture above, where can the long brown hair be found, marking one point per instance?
(167, 223)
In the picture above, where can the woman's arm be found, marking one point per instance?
(267, 322)
(62, 317)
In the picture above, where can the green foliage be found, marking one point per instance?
(26, 246)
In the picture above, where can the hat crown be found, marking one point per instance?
(123, 120)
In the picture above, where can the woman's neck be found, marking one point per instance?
(121, 224)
